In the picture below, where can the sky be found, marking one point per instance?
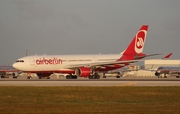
(86, 26)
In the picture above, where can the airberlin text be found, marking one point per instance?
(45, 61)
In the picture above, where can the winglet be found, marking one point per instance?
(167, 56)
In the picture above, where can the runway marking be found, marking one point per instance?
(127, 84)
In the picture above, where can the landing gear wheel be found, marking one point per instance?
(40, 77)
(104, 77)
(71, 77)
(48, 77)
(67, 77)
(117, 76)
(74, 77)
(29, 77)
(90, 77)
(2, 76)
(97, 76)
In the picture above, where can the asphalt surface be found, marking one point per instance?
(109, 81)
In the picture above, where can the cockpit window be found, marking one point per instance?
(20, 61)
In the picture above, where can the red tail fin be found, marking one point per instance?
(136, 46)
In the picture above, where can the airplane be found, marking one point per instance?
(7, 69)
(121, 71)
(88, 66)
(162, 71)
(4, 70)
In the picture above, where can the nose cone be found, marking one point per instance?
(15, 65)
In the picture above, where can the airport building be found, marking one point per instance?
(154, 64)
(149, 67)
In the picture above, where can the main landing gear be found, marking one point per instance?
(29, 77)
(104, 75)
(119, 74)
(70, 76)
(94, 76)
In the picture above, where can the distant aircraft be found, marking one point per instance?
(120, 72)
(164, 70)
(84, 65)
(8, 70)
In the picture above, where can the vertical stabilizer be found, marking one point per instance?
(136, 46)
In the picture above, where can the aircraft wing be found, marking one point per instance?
(165, 57)
(149, 55)
(8, 69)
(100, 64)
(110, 63)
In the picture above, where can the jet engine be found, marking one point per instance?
(83, 72)
(157, 73)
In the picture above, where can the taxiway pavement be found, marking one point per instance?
(110, 81)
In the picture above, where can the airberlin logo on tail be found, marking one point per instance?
(139, 41)
(45, 61)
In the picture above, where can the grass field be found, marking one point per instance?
(82, 100)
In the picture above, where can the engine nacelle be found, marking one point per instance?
(43, 74)
(157, 73)
(83, 72)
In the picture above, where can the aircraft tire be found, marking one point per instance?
(74, 77)
(2, 76)
(97, 77)
(29, 77)
(104, 77)
(117, 76)
(40, 77)
(90, 77)
(67, 77)
(48, 77)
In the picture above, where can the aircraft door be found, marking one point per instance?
(32, 62)
(96, 59)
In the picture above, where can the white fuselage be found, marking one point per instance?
(83, 65)
(59, 62)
